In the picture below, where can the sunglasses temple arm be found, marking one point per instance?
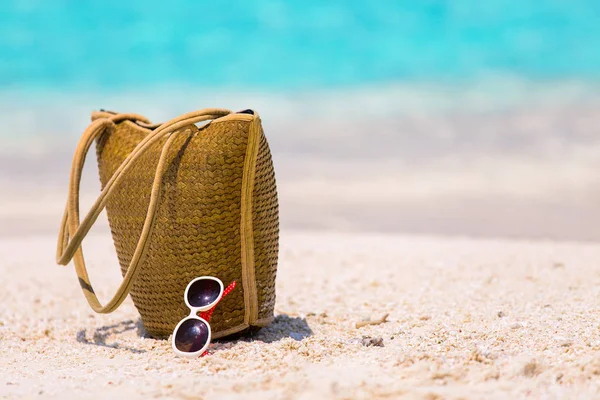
(228, 289)
(207, 314)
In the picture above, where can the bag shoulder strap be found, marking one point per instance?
(72, 231)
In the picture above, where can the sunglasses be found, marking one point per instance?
(192, 334)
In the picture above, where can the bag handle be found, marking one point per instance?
(72, 231)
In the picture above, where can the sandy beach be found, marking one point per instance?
(437, 180)
(468, 319)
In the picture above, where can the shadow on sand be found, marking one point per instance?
(283, 326)
(100, 335)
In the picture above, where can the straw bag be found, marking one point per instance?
(182, 201)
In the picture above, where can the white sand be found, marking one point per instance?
(468, 319)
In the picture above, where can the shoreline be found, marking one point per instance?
(523, 174)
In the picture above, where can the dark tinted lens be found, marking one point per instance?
(203, 292)
(191, 336)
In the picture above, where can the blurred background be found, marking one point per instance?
(452, 117)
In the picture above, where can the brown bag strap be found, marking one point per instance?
(72, 232)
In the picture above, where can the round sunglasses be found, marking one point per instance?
(192, 334)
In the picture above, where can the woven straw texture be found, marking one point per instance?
(266, 228)
(197, 230)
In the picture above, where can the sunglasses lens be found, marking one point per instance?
(191, 336)
(204, 292)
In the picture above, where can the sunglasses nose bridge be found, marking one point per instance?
(193, 312)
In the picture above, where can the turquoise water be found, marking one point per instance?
(115, 44)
